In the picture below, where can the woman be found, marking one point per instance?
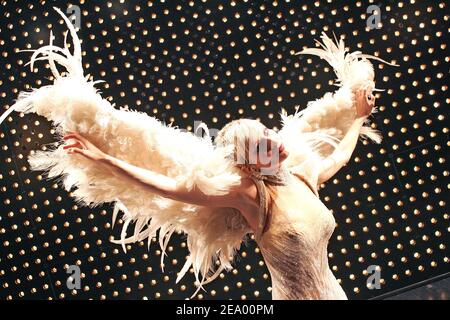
(296, 225)
(250, 180)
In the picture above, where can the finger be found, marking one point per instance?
(76, 150)
(83, 140)
(75, 135)
(74, 140)
(77, 144)
(83, 145)
(73, 145)
(77, 139)
(361, 95)
(70, 136)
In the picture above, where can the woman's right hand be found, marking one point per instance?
(83, 146)
(364, 103)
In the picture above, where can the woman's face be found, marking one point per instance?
(268, 151)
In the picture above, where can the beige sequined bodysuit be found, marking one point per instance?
(293, 239)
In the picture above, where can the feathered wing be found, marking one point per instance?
(312, 133)
(73, 104)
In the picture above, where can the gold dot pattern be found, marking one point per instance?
(216, 61)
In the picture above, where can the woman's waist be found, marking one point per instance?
(297, 256)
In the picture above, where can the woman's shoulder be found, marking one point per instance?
(308, 173)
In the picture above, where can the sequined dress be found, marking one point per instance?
(293, 239)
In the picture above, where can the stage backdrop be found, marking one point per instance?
(214, 61)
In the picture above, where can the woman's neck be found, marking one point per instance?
(280, 177)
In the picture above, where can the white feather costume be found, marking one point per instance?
(73, 104)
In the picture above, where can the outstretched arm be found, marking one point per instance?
(342, 154)
(157, 183)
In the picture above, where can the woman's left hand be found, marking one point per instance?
(83, 146)
(364, 103)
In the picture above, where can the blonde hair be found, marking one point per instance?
(243, 135)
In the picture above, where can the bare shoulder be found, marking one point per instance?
(307, 179)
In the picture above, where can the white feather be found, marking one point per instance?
(72, 103)
(312, 133)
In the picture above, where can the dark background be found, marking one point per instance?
(215, 61)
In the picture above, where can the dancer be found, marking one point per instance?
(249, 180)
